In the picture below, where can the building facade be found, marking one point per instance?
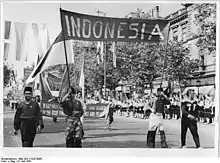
(184, 29)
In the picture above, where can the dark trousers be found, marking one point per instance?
(28, 132)
(74, 143)
(192, 125)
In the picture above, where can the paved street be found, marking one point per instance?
(126, 133)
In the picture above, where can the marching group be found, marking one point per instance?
(141, 107)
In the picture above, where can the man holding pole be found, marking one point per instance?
(156, 120)
(74, 111)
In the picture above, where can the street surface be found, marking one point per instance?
(126, 133)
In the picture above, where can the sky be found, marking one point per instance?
(49, 12)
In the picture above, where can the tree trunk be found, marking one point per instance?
(100, 92)
(151, 88)
(180, 100)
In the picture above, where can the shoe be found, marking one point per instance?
(200, 148)
(184, 147)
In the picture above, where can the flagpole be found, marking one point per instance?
(165, 56)
(104, 63)
(64, 43)
(105, 69)
(83, 89)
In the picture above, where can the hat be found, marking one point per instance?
(160, 89)
(28, 88)
(73, 90)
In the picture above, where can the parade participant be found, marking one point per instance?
(27, 118)
(73, 109)
(109, 115)
(189, 115)
(201, 104)
(41, 123)
(157, 114)
(208, 108)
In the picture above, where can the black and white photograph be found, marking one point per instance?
(110, 75)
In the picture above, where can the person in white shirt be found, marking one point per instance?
(201, 105)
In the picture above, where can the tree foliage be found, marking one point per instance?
(7, 74)
(179, 64)
(206, 19)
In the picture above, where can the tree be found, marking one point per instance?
(150, 62)
(7, 74)
(206, 20)
(179, 64)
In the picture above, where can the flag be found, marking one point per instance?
(113, 52)
(99, 52)
(45, 90)
(167, 91)
(20, 33)
(54, 56)
(64, 84)
(37, 80)
(41, 36)
(7, 37)
(6, 50)
(82, 80)
(7, 29)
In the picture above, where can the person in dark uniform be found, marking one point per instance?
(157, 115)
(26, 118)
(190, 111)
(74, 111)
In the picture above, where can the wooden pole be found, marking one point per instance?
(104, 60)
(165, 56)
(104, 57)
(64, 43)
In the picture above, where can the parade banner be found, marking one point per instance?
(96, 110)
(53, 109)
(95, 28)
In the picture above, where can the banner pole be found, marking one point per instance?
(64, 43)
(104, 63)
(105, 68)
(165, 56)
(83, 89)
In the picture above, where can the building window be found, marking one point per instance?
(175, 34)
(184, 34)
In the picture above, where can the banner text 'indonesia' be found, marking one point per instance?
(94, 28)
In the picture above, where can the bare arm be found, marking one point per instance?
(154, 106)
(65, 97)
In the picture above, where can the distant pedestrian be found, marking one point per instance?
(26, 118)
(109, 116)
(41, 122)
